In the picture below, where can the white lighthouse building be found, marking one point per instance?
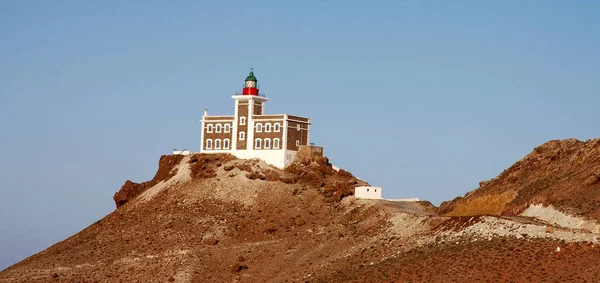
(250, 133)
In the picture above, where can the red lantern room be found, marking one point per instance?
(251, 85)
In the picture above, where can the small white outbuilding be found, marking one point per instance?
(366, 192)
(181, 152)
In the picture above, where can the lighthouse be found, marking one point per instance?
(250, 133)
(250, 85)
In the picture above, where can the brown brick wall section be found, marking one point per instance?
(294, 135)
(271, 135)
(297, 118)
(267, 117)
(213, 136)
(242, 112)
(258, 108)
(209, 118)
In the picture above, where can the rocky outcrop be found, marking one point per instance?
(561, 173)
(166, 170)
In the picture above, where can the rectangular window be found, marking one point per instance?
(242, 120)
(226, 144)
(258, 144)
(242, 136)
(297, 143)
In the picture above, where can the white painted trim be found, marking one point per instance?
(278, 140)
(242, 135)
(308, 132)
(202, 134)
(285, 133)
(218, 128)
(234, 130)
(242, 121)
(278, 127)
(209, 128)
(268, 119)
(258, 127)
(250, 125)
(217, 121)
(226, 128)
(217, 144)
(250, 97)
(265, 145)
(267, 127)
(207, 144)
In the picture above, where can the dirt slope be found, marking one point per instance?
(214, 218)
(564, 174)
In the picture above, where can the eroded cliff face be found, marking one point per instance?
(564, 174)
(310, 171)
(166, 169)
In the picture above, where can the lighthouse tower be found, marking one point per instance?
(249, 133)
(248, 106)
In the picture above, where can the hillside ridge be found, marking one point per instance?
(216, 218)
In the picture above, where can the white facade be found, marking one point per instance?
(279, 158)
(366, 192)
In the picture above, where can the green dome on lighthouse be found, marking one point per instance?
(251, 77)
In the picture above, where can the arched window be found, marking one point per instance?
(209, 128)
(226, 144)
(258, 144)
(268, 127)
(298, 127)
(242, 120)
(267, 143)
(276, 143)
(218, 128)
(276, 127)
(258, 127)
(217, 144)
(242, 136)
(227, 128)
(208, 144)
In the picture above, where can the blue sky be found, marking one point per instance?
(423, 98)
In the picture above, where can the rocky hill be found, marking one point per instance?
(558, 182)
(215, 218)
